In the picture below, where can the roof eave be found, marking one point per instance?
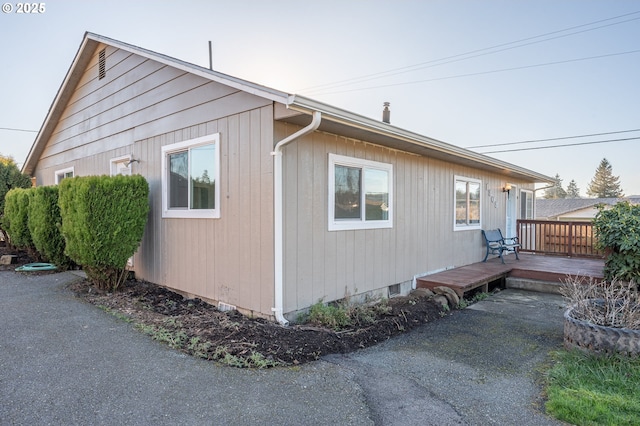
(86, 50)
(458, 154)
(82, 57)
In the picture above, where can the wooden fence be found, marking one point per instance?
(573, 239)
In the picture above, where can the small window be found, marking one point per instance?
(360, 193)
(121, 166)
(63, 174)
(191, 174)
(102, 64)
(526, 204)
(467, 203)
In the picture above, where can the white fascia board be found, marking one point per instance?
(246, 86)
(27, 167)
(335, 114)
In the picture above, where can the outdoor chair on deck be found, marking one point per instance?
(497, 244)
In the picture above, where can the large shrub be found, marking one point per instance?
(103, 220)
(618, 234)
(10, 178)
(16, 214)
(45, 225)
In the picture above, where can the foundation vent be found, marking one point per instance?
(394, 290)
(225, 307)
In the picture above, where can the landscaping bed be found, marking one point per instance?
(200, 329)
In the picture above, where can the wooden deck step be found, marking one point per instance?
(466, 278)
(533, 267)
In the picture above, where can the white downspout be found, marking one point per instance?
(278, 213)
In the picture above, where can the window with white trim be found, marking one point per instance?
(526, 204)
(63, 174)
(121, 166)
(191, 177)
(467, 203)
(360, 193)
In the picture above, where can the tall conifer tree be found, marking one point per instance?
(604, 184)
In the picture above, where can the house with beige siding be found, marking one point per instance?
(267, 201)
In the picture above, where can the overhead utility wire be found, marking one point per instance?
(18, 130)
(481, 73)
(552, 139)
(560, 146)
(426, 64)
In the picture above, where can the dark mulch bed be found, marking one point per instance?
(200, 329)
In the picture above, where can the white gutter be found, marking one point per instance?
(278, 215)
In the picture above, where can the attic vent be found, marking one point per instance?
(102, 64)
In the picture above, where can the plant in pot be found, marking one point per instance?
(604, 317)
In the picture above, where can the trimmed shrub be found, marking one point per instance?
(103, 220)
(618, 234)
(16, 214)
(45, 225)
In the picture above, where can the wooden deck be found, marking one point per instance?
(532, 267)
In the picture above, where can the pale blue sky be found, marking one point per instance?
(298, 45)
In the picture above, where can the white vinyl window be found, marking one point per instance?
(63, 174)
(191, 178)
(121, 166)
(526, 204)
(360, 194)
(467, 206)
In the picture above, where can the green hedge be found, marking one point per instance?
(618, 234)
(16, 214)
(45, 225)
(103, 220)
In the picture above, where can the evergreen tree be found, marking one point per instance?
(555, 191)
(604, 184)
(572, 190)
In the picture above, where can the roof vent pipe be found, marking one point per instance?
(386, 114)
(210, 56)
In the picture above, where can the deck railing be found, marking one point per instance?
(573, 239)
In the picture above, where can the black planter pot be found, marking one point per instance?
(583, 335)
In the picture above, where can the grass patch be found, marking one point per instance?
(474, 299)
(340, 315)
(584, 389)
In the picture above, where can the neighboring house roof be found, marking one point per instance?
(296, 109)
(552, 208)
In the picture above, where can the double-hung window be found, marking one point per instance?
(191, 178)
(360, 194)
(467, 203)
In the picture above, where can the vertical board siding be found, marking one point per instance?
(141, 106)
(331, 265)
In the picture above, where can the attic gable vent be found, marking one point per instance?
(102, 64)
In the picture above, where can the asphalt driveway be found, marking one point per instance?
(63, 361)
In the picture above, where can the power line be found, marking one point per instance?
(481, 73)
(560, 146)
(553, 139)
(433, 63)
(18, 130)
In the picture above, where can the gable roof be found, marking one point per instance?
(552, 208)
(298, 110)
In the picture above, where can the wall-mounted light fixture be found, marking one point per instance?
(132, 161)
(506, 188)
